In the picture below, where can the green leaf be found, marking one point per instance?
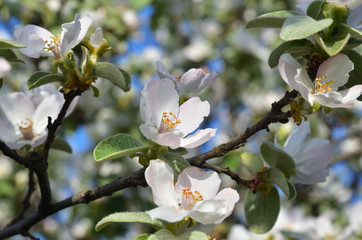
(61, 144)
(6, 44)
(40, 78)
(9, 55)
(140, 217)
(143, 236)
(180, 150)
(302, 46)
(271, 20)
(117, 146)
(251, 164)
(275, 176)
(276, 157)
(112, 73)
(292, 191)
(333, 46)
(176, 162)
(261, 211)
(299, 27)
(165, 234)
(314, 9)
(355, 33)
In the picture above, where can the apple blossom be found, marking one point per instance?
(41, 42)
(26, 116)
(166, 122)
(194, 195)
(192, 82)
(311, 157)
(332, 74)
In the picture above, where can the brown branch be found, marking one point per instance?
(234, 176)
(132, 180)
(275, 115)
(26, 201)
(13, 154)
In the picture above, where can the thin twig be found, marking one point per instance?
(275, 115)
(26, 201)
(12, 154)
(132, 180)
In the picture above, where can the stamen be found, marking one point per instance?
(169, 122)
(26, 128)
(320, 87)
(53, 45)
(190, 198)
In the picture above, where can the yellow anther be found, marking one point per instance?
(322, 87)
(168, 122)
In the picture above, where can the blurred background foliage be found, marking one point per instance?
(208, 34)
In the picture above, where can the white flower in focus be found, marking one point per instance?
(194, 195)
(26, 117)
(332, 74)
(41, 42)
(4, 67)
(169, 124)
(192, 82)
(311, 157)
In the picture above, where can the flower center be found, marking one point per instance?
(320, 87)
(189, 198)
(53, 45)
(169, 122)
(26, 128)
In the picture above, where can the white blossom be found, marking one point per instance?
(195, 194)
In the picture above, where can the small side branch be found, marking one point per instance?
(275, 115)
(26, 201)
(12, 154)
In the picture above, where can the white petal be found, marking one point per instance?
(159, 176)
(351, 94)
(198, 138)
(168, 214)
(355, 17)
(209, 211)
(231, 197)
(96, 39)
(170, 139)
(34, 38)
(192, 113)
(304, 84)
(191, 80)
(332, 100)
(73, 33)
(4, 67)
(197, 179)
(336, 68)
(293, 143)
(49, 107)
(35, 142)
(209, 78)
(8, 131)
(157, 97)
(316, 154)
(313, 178)
(288, 70)
(162, 71)
(16, 107)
